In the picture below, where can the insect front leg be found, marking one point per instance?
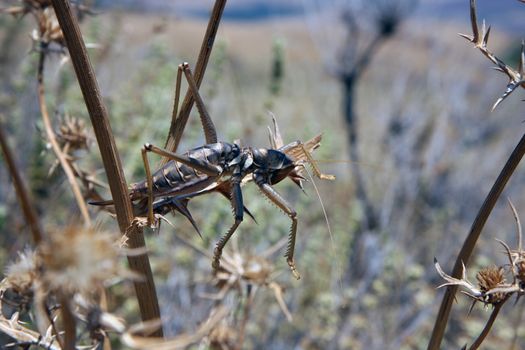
(313, 163)
(278, 200)
(238, 210)
(301, 148)
(149, 181)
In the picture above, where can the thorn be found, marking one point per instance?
(466, 36)
(486, 37)
(521, 69)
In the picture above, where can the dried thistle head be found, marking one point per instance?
(21, 274)
(490, 278)
(257, 270)
(223, 337)
(79, 259)
(72, 133)
(26, 7)
(48, 31)
(18, 287)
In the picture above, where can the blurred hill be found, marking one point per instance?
(503, 14)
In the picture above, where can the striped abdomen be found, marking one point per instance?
(174, 178)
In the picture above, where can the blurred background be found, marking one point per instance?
(404, 107)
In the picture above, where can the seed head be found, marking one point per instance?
(48, 29)
(79, 259)
(223, 337)
(489, 278)
(21, 274)
(72, 132)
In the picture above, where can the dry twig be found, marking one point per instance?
(480, 40)
(487, 206)
(145, 290)
(21, 188)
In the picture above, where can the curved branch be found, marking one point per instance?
(488, 326)
(472, 238)
(54, 143)
(21, 189)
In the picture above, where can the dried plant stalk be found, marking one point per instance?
(54, 143)
(145, 290)
(178, 124)
(69, 323)
(472, 238)
(480, 38)
(21, 189)
(488, 326)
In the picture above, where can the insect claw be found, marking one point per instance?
(295, 273)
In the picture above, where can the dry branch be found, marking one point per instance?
(21, 188)
(145, 290)
(488, 326)
(472, 238)
(66, 166)
(480, 38)
(178, 124)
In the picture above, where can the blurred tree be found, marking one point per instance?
(368, 25)
(355, 56)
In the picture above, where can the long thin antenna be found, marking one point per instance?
(337, 265)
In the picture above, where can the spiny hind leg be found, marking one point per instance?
(179, 122)
(210, 132)
(278, 200)
(238, 210)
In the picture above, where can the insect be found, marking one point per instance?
(222, 167)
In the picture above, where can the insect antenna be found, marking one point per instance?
(332, 241)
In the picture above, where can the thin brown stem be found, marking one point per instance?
(21, 189)
(53, 325)
(178, 124)
(54, 143)
(472, 238)
(488, 326)
(517, 325)
(70, 324)
(245, 317)
(146, 294)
